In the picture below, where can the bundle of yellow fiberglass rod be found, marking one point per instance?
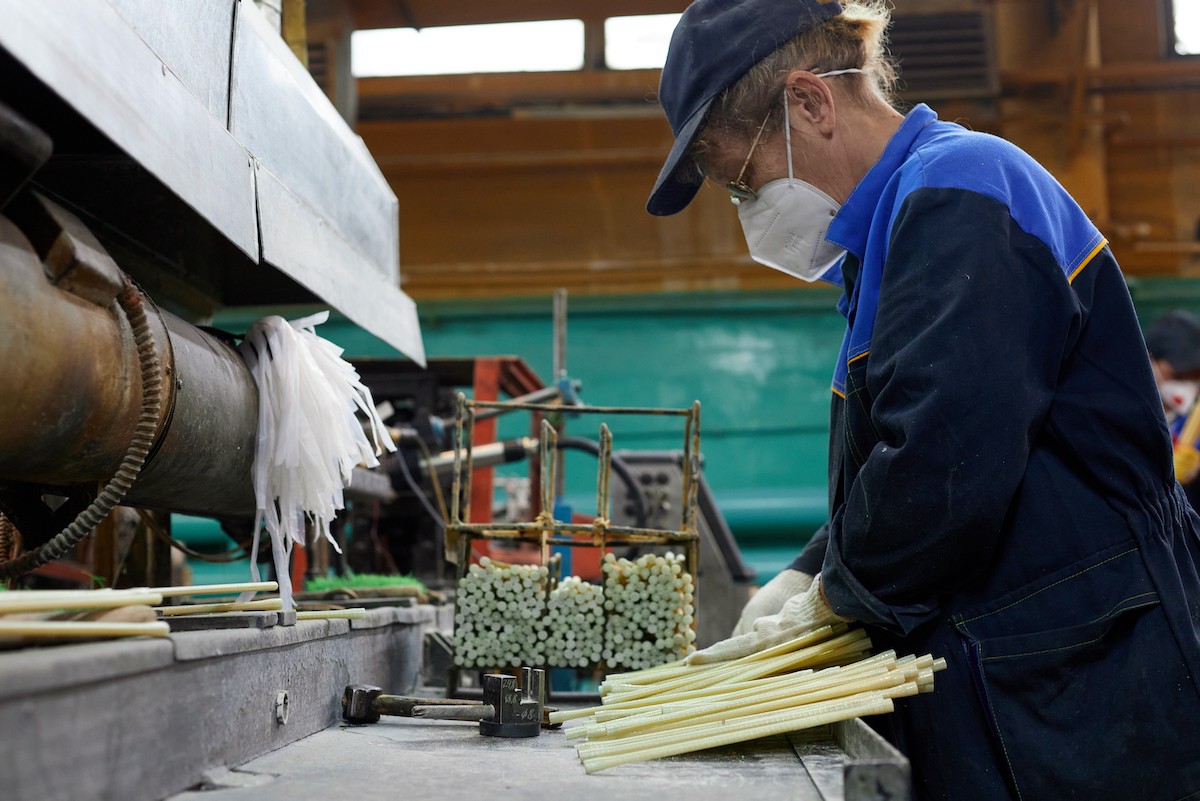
(821, 676)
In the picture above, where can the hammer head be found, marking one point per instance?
(358, 703)
(517, 713)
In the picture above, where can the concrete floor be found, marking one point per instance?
(404, 758)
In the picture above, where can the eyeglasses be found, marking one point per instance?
(739, 190)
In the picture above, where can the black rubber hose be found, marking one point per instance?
(420, 493)
(9, 538)
(635, 491)
(130, 301)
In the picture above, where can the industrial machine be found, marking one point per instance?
(144, 184)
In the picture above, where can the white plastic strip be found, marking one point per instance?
(309, 434)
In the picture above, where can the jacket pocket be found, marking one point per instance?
(1097, 703)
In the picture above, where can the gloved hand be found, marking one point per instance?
(771, 597)
(800, 614)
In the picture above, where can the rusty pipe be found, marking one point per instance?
(72, 398)
(205, 456)
(71, 391)
(133, 304)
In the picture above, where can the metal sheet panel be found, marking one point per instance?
(295, 235)
(280, 114)
(194, 38)
(131, 96)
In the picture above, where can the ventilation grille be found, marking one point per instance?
(318, 66)
(945, 55)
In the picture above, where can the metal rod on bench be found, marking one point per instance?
(604, 474)
(548, 454)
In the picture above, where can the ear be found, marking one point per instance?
(1163, 371)
(810, 103)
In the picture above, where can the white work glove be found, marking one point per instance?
(771, 597)
(800, 614)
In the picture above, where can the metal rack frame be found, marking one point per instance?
(545, 530)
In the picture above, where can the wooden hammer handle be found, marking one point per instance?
(455, 712)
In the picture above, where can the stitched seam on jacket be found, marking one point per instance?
(1049, 586)
(1078, 260)
(1087, 260)
(1059, 648)
(1117, 607)
(852, 390)
(996, 725)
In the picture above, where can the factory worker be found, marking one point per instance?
(1173, 340)
(1000, 477)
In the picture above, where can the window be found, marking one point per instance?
(546, 46)
(1187, 27)
(635, 43)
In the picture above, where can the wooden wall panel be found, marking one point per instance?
(1133, 165)
(526, 194)
(521, 206)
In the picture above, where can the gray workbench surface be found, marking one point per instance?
(405, 758)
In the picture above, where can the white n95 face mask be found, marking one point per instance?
(785, 228)
(1178, 397)
(785, 225)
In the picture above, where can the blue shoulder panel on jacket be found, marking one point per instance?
(949, 157)
(926, 153)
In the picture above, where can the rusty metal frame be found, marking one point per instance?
(544, 529)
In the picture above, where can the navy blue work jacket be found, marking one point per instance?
(1001, 485)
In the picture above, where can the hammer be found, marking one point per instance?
(364, 703)
(504, 712)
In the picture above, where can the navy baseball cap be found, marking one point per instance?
(715, 43)
(1175, 338)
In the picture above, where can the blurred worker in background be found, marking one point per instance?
(1173, 341)
(1000, 477)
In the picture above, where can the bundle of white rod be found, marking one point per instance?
(309, 436)
(642, 616)
(650, 610)
(574, 623)
(499, 617)
(820, 677)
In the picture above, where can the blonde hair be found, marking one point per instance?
(854, 39)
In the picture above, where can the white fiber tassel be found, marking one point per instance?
(309, 436)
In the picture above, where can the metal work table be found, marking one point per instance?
(446, 761)
(252, 714)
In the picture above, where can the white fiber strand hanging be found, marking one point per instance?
(309, 435)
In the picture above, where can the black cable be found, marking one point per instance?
(242, 551)
(640, 515)
(420, 493)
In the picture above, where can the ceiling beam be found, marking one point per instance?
(453, 94)
(433, 13)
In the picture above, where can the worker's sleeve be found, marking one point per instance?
(971, 326)
(810, 559)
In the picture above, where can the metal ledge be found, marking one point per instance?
(139, 720)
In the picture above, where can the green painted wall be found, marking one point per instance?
(1153, 296)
